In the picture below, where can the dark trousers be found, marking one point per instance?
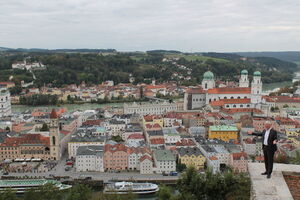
(269, 157)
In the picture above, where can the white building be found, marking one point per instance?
(114, 126)
(83, 138)
(134, 156)
(5, 102)
(146, 165)
(27, 66)
(244, 96)
(213, 163)
(222, 154)
(150, 108)
(89, 158)
(171, 135)
(165, 161)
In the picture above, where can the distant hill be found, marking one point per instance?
(163, 51)
(4, 48)
(291, 56)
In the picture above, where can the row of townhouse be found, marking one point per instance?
(119, 157)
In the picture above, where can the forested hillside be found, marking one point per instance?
(95, 67)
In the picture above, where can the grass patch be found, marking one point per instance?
(193, 57)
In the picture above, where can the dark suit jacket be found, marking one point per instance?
(272, 137)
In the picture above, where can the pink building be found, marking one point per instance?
(239, 162)
(115, 157)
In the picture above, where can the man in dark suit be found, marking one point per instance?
(269, 140)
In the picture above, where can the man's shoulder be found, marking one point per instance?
(273, 130)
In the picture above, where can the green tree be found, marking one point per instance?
(15, 90)
(117, 138)
(101, 196)
(213, 186)
(80, 192)
(180, 167)
(49, 192)
(8, 194)
(7, 129)
(44, 127)
(164, 193)
(31, 194)
(296, 159)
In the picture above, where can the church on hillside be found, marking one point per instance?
(242, 96)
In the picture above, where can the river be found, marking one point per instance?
(69, 107)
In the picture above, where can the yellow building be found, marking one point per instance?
(191, 157)
(292, 132)
(223, 132)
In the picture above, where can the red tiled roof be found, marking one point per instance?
(195, 90)
(249, 141)
(285, 99)
(27, 139)
(185, 142)
(154, 126)
(238, 156)
(92, 122)
(157, 141)
(268, 99)
(259, 158)
(150, 118)
(115, 148)
(6, 83)
(65, 132)
(226, 90)
(155, 86)
(239, 110)
(135, 136)
(213, 158)
(145, 157)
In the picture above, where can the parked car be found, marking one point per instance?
(173, 173)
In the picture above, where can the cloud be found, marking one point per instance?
(187, 25)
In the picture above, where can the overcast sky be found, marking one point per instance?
(186, 25)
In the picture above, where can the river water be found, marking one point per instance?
(69, 107)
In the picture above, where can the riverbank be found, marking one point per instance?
(69, 107)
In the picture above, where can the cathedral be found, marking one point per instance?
(242, 96)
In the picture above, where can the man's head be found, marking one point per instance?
(268, 125)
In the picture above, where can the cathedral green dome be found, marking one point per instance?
(244, 72)
(208, 75)
(257, 73)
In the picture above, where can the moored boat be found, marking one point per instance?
(129, 187)
(21, 186)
